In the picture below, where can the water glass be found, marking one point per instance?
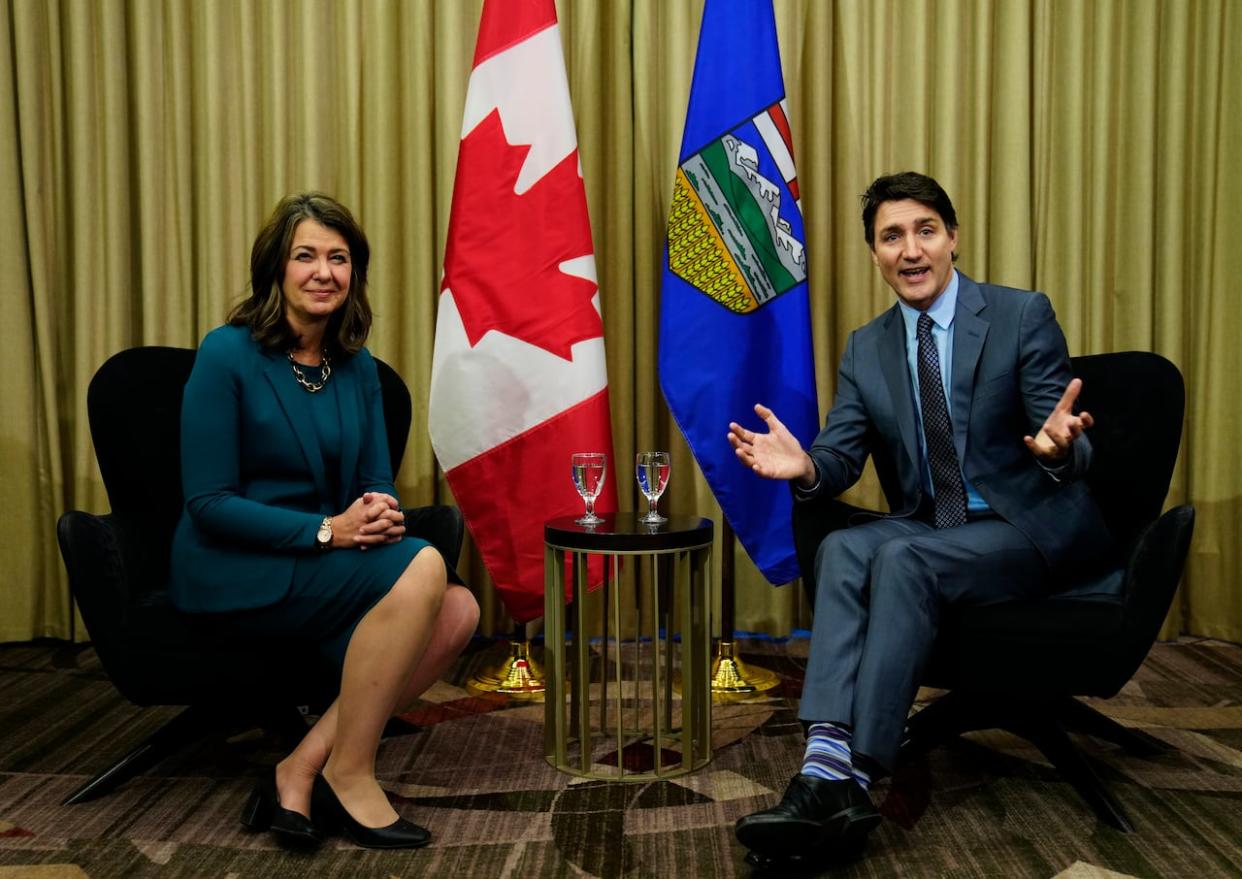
(589, 469)
(652, 470)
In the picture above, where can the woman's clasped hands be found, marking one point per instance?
(371, 520)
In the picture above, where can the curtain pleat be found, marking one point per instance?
(1091, 149)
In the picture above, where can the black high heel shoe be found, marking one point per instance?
(264, 812)
(333, 816)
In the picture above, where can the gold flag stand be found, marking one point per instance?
(517, 676)
(732, 679)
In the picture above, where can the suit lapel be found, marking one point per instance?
(897, 376)
(293, 401)
(969, 333)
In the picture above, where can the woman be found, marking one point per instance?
(292, 529)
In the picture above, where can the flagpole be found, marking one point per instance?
(733, 679)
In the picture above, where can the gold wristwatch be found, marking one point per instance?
(323, 538)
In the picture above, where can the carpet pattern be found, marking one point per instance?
(473, 772)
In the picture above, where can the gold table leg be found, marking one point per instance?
(670, 642)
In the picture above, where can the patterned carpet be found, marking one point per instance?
(474, 773)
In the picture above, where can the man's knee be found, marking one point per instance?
(841, 549)
(899, 555)
(900, 570)
(842, 567)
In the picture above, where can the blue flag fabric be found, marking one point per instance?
(735, 323)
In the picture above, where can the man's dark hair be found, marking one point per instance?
(263, 311)
(899, 187)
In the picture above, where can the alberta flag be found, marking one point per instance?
(518, 381)
(735, 323)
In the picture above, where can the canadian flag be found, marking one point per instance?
(518, 379)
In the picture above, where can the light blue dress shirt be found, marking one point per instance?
(941, 313)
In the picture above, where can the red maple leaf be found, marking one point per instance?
(504, 250)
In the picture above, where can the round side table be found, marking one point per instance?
(638, 731)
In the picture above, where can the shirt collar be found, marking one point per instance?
(941, 311)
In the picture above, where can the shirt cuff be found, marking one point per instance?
(803, 494)
(1058, 472)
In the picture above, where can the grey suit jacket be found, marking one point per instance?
(1010, 367)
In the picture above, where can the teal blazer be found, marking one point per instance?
(253, 474)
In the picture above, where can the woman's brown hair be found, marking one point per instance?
(263, 311)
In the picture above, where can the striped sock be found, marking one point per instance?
(828, 752)
(862, 776)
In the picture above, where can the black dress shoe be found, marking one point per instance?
(398, 834)
(264, 812)
(814, 863)
(815, 819)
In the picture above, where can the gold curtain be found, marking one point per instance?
(1092, 150)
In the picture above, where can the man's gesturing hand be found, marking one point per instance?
(776, 454)
(1053, 441)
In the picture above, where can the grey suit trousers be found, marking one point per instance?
(880, 589)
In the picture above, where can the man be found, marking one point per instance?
(965, 389)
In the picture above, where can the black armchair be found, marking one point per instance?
(118, 570)
(1018, 665)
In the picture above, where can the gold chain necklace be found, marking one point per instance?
(324, 364)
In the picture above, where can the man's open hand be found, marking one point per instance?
(776, 454)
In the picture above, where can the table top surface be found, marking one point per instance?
(622, 532)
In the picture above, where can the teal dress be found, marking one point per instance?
(263, 461)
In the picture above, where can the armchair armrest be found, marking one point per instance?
(1152, 574)
(443, 527)
(96, 568)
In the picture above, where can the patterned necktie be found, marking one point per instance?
(938, 433)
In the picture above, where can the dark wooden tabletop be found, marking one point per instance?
(622, 532)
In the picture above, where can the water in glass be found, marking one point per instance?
(652, 469)
(589, 469)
